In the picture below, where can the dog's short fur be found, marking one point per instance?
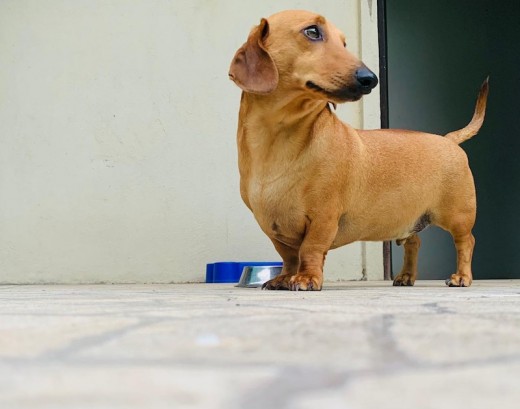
(315, 183)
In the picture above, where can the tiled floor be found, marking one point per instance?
(353, 345)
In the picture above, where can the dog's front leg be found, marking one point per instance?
(291, 263)
(317, 241)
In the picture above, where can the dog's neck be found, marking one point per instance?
(280, 115)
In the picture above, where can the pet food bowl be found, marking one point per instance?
(255, 276)
(231, 271)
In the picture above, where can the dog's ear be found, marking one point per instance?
(252, 68)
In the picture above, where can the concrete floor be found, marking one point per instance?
(353, 345)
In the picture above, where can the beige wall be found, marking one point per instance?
(117, 138)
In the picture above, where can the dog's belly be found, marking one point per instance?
(286, 220)
(376, 228)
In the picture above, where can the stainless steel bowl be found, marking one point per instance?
(255, 276)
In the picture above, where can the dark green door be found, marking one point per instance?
(439, 52)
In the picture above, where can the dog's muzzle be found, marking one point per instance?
(361, 83)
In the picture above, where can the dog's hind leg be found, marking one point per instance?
(464, 243)
(408, 273)
(460, 224)
(459, 221)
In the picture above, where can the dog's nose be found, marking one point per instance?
(366, 79)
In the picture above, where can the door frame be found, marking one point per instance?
(383, 93)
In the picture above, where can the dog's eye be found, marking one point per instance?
(313, 32)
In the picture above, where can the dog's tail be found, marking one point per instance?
(473, 127)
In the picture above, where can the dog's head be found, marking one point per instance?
(302, 52)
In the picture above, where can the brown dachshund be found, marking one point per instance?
(315, 183)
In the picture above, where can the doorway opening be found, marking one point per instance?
(434, 56)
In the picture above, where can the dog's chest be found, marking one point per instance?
(277, 208)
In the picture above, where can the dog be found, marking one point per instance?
(315, 183)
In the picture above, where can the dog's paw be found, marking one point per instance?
(281, 282)
(459, 280)
(305, 282)
(404, 279)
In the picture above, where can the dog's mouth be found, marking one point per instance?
(343, 94)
